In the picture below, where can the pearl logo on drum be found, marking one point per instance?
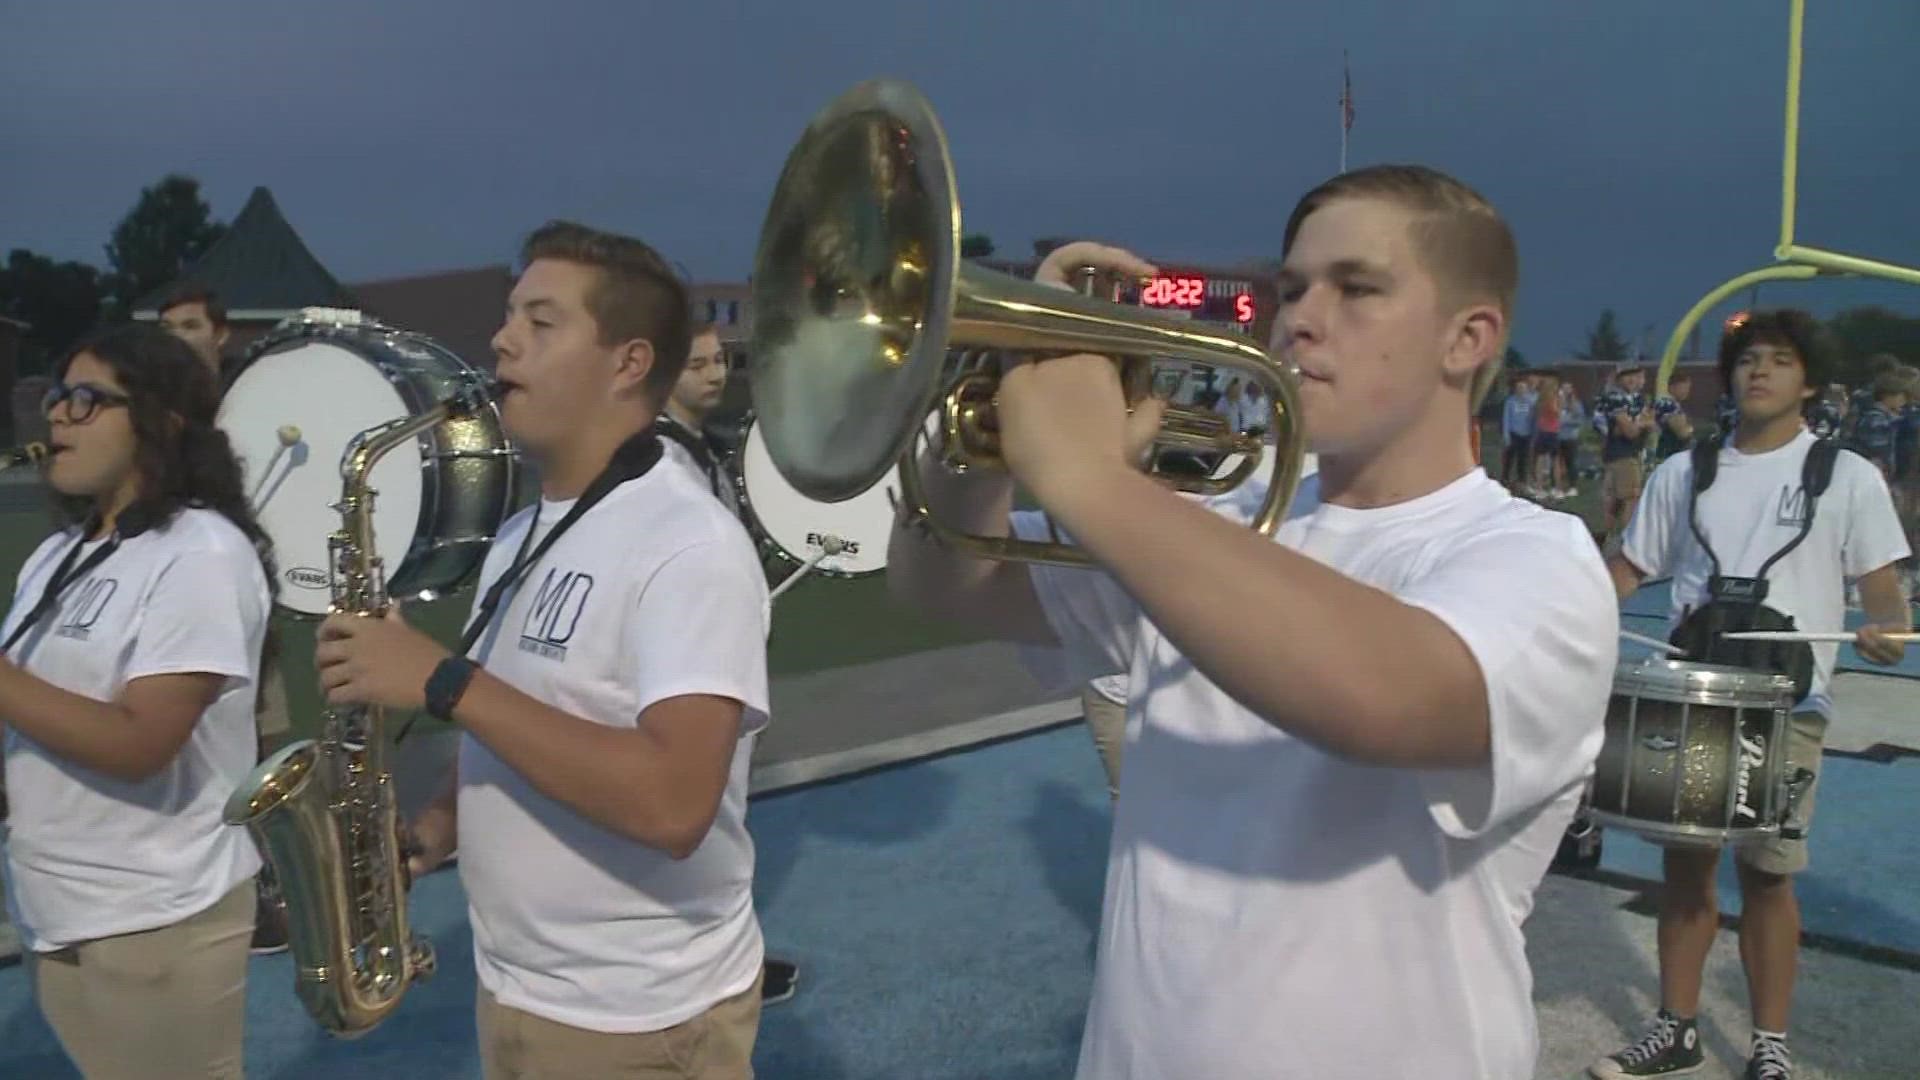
(1753, 754)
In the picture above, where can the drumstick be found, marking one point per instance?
(1806, 636)
(829, 545)
(289, 435)
(1652, 643)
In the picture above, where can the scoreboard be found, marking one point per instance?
(1212, 299)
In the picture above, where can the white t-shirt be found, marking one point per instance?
(1754, 508)
(1270, 906)
(720, 485)
(1247, 496)
(89, 855)
(654, 593)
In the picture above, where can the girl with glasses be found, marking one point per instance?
(126, 697)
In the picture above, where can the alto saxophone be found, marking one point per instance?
(323, 811)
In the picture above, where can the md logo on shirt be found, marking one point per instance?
(89, 601)
(1793, 507)
(555, 613)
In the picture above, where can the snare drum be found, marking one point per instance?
(790, 527)
(1694, 753)
(324, 377)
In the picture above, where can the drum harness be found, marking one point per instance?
(696, 445)
(1739, 603)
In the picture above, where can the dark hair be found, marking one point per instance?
(1462, 240)
(1680, 376)
(182, 458)
(191, 293)
(637, 294)
(1790, 327)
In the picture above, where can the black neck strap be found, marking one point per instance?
(695, 444)
(67, 573)
(634, 459)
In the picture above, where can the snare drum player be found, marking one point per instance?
(685, 438)
(126, 692)
(615, 685)
(1756, 521)
(195, 315)
(1354, 745)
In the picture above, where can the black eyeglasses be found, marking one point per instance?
(83, 400)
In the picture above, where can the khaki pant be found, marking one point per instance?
(1108, 723)
(716, 1045)
(165, 1004)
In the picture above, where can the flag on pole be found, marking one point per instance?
(1346, 95)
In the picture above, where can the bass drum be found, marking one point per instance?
(792, 529)
(313, 384)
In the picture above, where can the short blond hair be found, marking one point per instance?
(1460, 238)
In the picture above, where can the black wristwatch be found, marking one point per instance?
(444, 687)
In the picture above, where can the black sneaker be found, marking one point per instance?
(269, 920)
(1769, 1061)
(1670, 1047)
(778, 980)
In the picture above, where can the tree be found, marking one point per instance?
(976, 246)
(1604, 344)
(1515, 360)
(165, 232)
(59, 300)
(1863, 333)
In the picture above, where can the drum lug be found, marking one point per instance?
(1797, 786)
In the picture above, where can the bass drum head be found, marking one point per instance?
(793, 525)
(330, 393)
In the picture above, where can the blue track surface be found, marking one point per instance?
(943, 915)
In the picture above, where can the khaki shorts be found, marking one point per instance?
(715, 1045)
(1621, 479)
(157, 1003)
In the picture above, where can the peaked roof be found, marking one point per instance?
(261, 268)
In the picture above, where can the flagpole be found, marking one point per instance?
(1346, 106)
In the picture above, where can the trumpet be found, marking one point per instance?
(861, 304)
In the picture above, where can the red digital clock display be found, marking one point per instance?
(1180, 292)
(1189, 293)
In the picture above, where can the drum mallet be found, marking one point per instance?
(829, 545)
(289, 436)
